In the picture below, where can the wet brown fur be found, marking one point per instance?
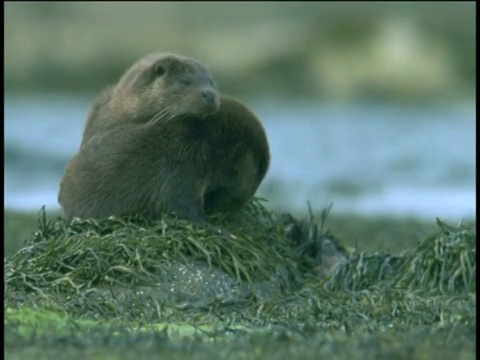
(140, 94)
(191, 164)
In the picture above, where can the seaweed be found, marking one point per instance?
(255, 283)
(445, 262)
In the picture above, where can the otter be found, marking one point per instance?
(164, 140)
(157, 86)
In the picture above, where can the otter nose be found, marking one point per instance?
(208, 95)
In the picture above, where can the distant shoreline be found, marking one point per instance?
(394, 52)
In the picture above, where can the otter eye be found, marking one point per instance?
(159, 69)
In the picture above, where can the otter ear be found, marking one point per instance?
(159, 69)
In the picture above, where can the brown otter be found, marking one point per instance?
(158, 86)
(159, 142)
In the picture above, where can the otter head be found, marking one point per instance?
(163, 86)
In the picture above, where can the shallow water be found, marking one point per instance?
(366, 159)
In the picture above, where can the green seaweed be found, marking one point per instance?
(254, 284)
(445, 261)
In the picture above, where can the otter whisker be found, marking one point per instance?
(170, 118)
(157, 117)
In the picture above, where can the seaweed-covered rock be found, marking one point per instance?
(264, 281)
(174, 256)
(275, 265)
(364, 270)
(445, 261)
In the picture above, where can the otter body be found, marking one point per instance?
(163, 140)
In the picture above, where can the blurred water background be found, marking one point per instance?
(370, 106)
